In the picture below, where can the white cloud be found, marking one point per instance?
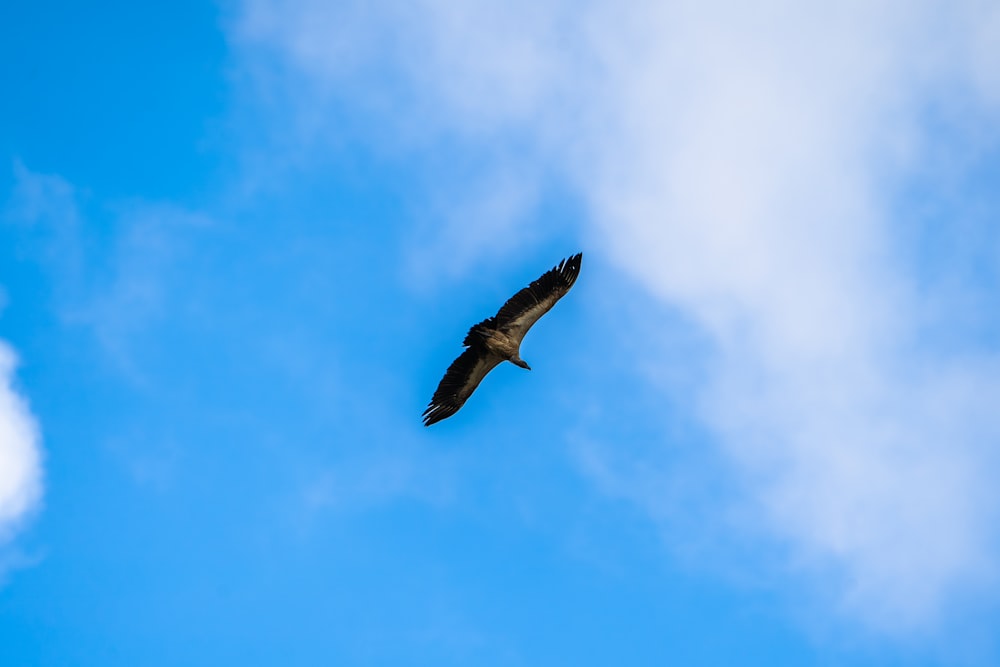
(746, 163)
(20, 452)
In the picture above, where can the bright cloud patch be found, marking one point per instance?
(748, 165)
(20, 457)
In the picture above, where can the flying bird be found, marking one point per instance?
(498, 339)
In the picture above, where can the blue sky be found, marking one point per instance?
(241, 242)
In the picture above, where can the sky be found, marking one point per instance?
(240, 242)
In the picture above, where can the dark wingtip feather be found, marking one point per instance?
(435, 413)
(569, 268)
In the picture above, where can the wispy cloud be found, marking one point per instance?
(110, 265)
(748, 165)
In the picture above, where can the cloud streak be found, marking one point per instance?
(747, 165)
(20, 452)
(119, 292)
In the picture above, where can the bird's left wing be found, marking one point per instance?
(458, 383)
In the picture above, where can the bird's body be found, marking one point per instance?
(498, 338)
(502, 345)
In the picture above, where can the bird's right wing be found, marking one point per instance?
(458, 383)
(524, 308)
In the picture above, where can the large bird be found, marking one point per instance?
(498, 339)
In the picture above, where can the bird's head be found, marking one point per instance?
(521, 362)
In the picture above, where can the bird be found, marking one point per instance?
(497, 339)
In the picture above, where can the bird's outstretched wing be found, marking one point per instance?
(524, 308)
(458, 383)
